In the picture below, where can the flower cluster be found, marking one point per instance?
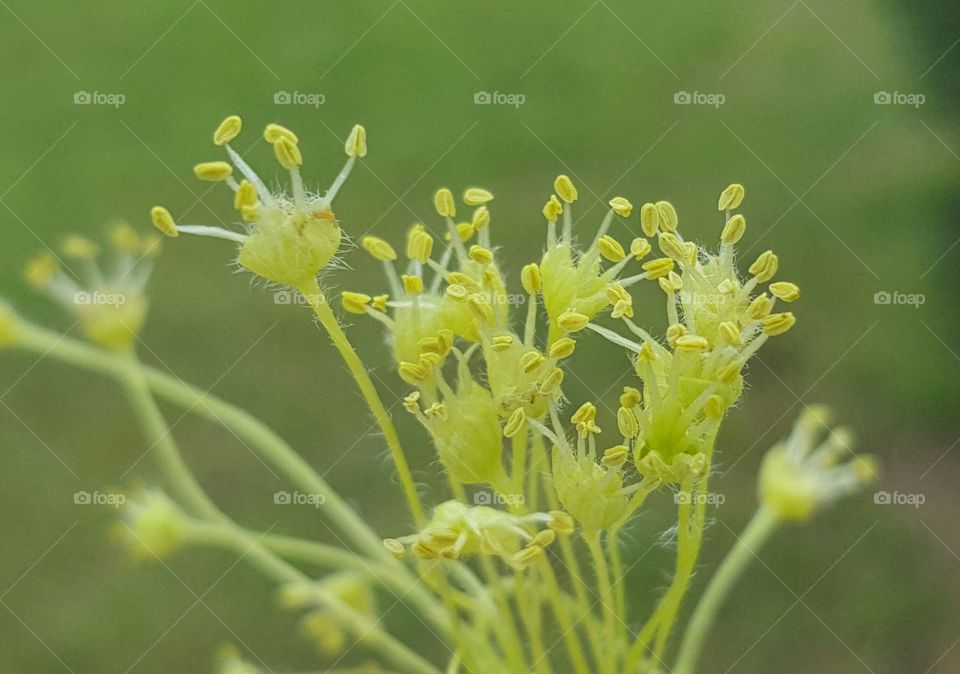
(109, 302)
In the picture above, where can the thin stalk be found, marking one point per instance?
(321, 308)
(602, 572)
(760, 528)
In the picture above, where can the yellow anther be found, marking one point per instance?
(627, 423)
(552, 209)
(213, 171)
(730, 334)
(674, 332)
(668, 216)
(640, 248)
(515, 423)
(690, 252)
(530, 278)
(672, 246)
(765, 266)
(616, 292)
(163, 221)
(649, 219)
(729, 372)
(480, 255)
(777, 324)
(79, 247)
(527, 556)
(610, 248)
(123, 237)
(394, 547)
(438, 411)
(728, 286)
(444, 204)
(479, 304)
(40, 270)
(621, 207)
(588, 428)
(379, 249)
(412, 373)
(565, 188)
(465, 231)
(457, 292)
(733, 230)
(412, 402)
(786, 291)
(646, 353)
(501, 342)
(246, 195)
(760, 306)
(228, 130)
(419, 244)
(730, 198)
(658, 268)
(571, 321)
(446, 337)
(412, 285)
(356, 145)
(630, 397)
(477, 196)
(379, 302)
(288, 153)
(544, 538)
(481, 218)
(616, 456)
(586, 412)
(691, 344)
(622, 308)
(552, 382)
(671, 283)
(274, 132)
(355, 303)
(563, 348)
(560, 522)
(714, 407)
(531, 361)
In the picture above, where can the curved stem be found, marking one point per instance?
(318, 302)
(761, 526)
(606, 599)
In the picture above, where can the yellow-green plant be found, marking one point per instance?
(519, 567)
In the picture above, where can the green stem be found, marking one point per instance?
(606, 599)
(318, 302)
(760, 528)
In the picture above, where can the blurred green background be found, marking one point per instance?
(858, 197)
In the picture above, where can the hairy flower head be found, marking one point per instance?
(290, 236)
